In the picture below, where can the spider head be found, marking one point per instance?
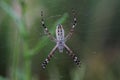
(60, 45)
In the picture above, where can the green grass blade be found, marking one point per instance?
(10, 11)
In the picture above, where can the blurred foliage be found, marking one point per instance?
(24, 46)
(1, 78)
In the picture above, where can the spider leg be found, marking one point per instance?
(70, 53)
(46, 29)
(44, 64)
(72, 28)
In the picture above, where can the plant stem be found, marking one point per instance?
(27, 69)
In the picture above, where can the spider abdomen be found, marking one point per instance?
(59, 32)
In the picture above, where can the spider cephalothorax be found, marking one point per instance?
(60, 41)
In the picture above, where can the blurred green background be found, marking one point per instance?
(24, 46)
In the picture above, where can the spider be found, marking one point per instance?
(60, 40)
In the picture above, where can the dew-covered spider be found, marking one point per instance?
(60, 40)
